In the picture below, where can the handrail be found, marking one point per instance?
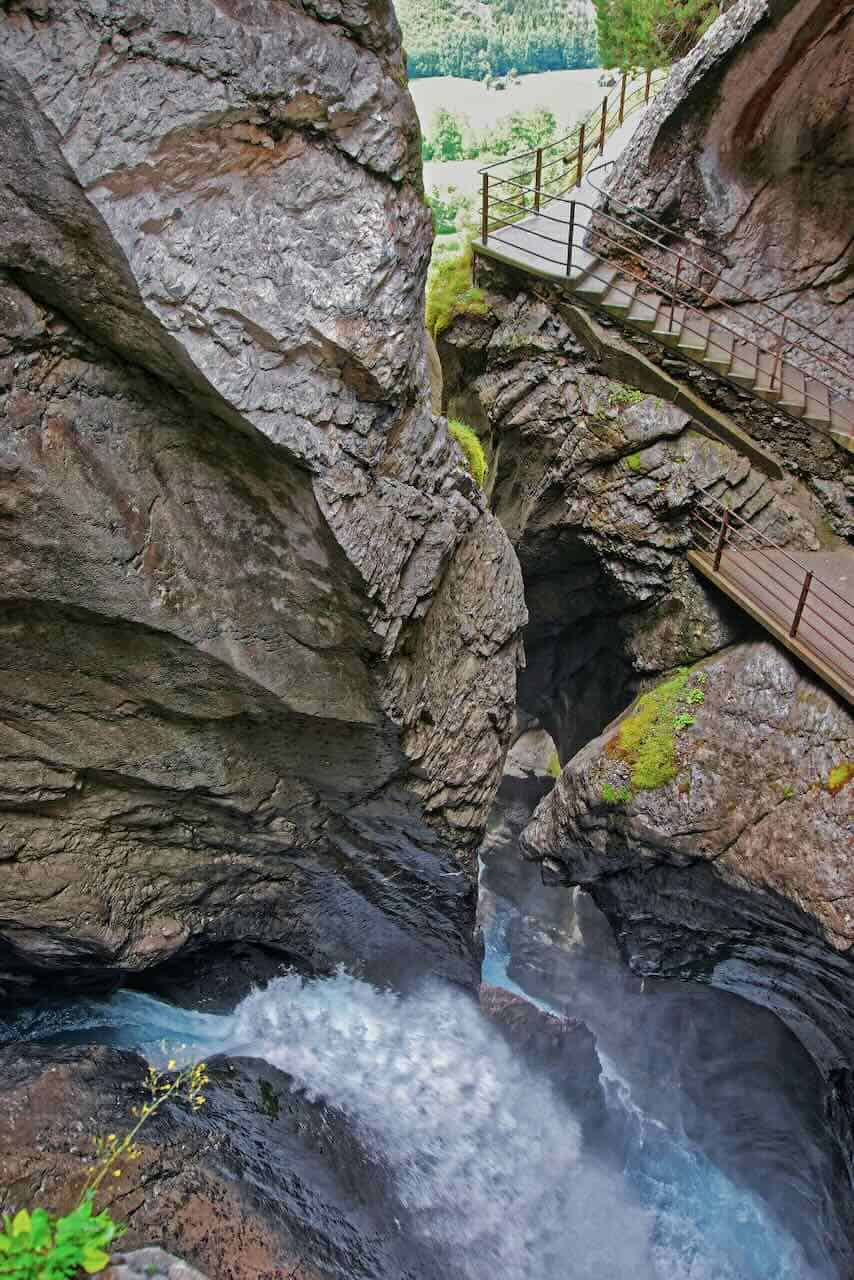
(806, 602)
(704, 270)
(652, 263)
(649, 85)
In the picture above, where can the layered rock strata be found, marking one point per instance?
(259, 632)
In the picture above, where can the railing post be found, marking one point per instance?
(778, 359)
(647, 85)
(623, 95)
(570, 237)
(580, 168)
(796, 622)
(485, 210)
(538, 177)
(721, 540)
(604, 125)
(673, 295)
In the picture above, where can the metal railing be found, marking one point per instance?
(803, 603)
(570, 156)
(707, 280)
(508, 203)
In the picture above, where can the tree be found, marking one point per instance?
(446, 136)
(650, 33)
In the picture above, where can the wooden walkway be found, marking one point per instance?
(763, 582)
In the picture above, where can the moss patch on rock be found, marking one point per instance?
(450, 291)
(839, 775)
(633, 462)
(553, 765)
(646, 740)
(620, 394)
(469, 442)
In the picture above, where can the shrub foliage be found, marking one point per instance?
(469, 442)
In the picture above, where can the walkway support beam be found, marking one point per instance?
(485, 210)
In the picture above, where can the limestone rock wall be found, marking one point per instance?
(259, 633)
(595, 482)
(749, 149)
(738, 871)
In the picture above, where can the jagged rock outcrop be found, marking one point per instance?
(748, 148)
(257, 628)
(595, 483)
(737, 871)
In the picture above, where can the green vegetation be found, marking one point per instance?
(646, 740)
(495, 38)
(449, 288)
(615, 795)
(695, 697)
(37, 1245)
(633, 462)
(650, 33)
(619, 394)
(469, 442)
(452, 210)
(839, 775)
(788, 791)
(451, 137)
(268, 1100)
(553, 765)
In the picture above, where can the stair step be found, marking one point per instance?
(620, 296)
(644, 309)
(767, 383)
(793, 396)
(668, 329)
(695, 333)
(718, 354)
(596, 280)
(842, 420)
(817, 411)
(745, 356)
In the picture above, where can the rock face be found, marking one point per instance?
(259, 634)
(259, 1184)
(738, 870)
(595, 483)
(749, 149)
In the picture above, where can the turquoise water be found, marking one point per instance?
(487, 1160)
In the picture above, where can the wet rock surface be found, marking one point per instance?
(737, 872)
(257, 1185)
(271, 631)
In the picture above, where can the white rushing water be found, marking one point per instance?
(485, 1159)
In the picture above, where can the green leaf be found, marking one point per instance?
(5, 1244)
(94, 1260)
(21, 1223)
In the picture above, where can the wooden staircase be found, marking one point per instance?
(702, 339)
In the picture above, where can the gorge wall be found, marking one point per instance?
(748, 150)
(259, 633)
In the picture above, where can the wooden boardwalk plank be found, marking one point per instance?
(765, 584)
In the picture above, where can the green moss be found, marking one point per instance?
(620, 394)
(788, 791)
(615, 795)
(839, 775)
(472, 449)
(553, 765)
(646, 740)
(633, 462)
(450, 291)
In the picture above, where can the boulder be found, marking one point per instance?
(258, 632)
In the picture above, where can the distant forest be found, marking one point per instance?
(477, 39)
